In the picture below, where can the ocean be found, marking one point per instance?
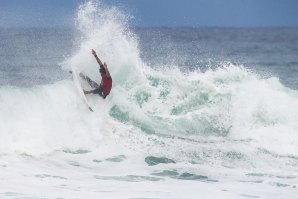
(193, 112)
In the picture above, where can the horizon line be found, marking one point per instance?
(154, 26)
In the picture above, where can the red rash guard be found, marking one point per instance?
(106, 85)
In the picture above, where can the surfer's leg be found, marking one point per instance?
(98, 91)
(92, 83)
(101, 93)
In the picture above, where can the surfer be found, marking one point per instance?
(106, 80)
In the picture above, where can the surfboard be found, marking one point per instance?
(78, 85)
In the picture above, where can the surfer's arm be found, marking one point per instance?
(107, 70)
(97, 59)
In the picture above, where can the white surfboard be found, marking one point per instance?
(78, 85)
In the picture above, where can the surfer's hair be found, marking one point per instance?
(102, 69)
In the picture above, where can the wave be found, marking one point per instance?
(229, 113)
(46, 118)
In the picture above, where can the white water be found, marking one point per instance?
(230, 133)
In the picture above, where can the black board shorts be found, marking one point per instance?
(98, 88)
(99, 91)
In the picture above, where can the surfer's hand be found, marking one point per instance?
(93, 52)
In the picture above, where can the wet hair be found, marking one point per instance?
(102, 69)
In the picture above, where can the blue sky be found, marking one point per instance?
(226, 13)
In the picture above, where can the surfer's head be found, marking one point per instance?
(102, 70)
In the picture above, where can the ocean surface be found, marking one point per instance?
(193, 113)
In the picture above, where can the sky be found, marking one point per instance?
(148, 13)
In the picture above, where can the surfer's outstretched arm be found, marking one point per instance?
(97, 59)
